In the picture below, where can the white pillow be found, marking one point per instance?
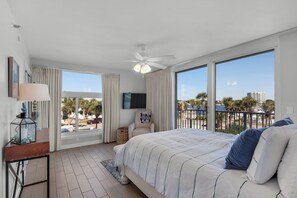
(287, 170)
(269, 152)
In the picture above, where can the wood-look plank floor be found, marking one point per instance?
(77, 173)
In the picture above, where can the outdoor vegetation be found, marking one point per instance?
(232, 116)
(89, 112)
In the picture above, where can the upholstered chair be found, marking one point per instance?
(142, 123)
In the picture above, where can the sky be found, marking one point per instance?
(233, 78)
(81, 82)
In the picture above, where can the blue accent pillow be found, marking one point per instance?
(283, 122)
(242, 150)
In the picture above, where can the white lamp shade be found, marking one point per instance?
(34, 92)
(137, 67)
(145, 69)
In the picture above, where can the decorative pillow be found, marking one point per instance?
(287, 170)
(242, 150)
(269, 152)
(283, 122)
(143, 119)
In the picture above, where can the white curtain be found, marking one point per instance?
(159, 87)
(50, 112)
(111, 106)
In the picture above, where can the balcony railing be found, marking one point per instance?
(225, 121)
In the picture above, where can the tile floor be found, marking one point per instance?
(78, 173)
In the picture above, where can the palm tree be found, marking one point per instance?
(68, 107)
(268, 107)
(248, 103)
(96, 109)
(228, 103)
(203, 98)
(237, 105)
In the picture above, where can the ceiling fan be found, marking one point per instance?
(144, 62)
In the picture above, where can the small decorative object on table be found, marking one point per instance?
(122, 135)
(23, 130)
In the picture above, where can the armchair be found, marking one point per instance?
(142, 124)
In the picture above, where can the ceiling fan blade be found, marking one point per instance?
(138, 56)
(130, 61)
(160, 58)
(157, 65)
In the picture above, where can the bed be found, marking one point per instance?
(187, 163)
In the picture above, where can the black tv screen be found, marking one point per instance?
(134, 100)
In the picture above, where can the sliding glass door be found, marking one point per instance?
(81, 109)
(245, 93)
(191, 98)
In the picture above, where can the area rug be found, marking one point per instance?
(110, 166)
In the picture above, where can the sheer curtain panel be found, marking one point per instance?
(111, 106)
(50, 112)
(159, 98)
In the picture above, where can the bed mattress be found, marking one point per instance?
(185, 163)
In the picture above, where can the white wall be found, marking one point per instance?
(10, 107)
(288, 81)
(130, 81)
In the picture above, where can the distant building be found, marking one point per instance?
(259, 96)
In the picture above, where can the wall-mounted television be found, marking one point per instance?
(134, 100)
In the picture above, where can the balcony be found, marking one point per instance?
(226, 121)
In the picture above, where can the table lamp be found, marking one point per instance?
(23, 130)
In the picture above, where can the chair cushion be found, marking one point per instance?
(140, 131)
(143, 119)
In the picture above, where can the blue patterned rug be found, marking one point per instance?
(110, 166)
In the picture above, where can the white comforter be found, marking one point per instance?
(190, 163)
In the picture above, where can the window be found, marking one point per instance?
(191, 98)
(81, 107)
(245, 93)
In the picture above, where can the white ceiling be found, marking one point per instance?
(103, 33)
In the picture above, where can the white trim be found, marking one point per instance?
(76, 114)
(80, 144)
(211, 96)
(80, 134)
(278, 84)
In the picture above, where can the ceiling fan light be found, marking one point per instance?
(137, 67)
(145, 69)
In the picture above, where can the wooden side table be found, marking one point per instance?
(122, 135)
(14, 153)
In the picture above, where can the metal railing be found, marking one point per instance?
(225, 121)
(196, 119)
